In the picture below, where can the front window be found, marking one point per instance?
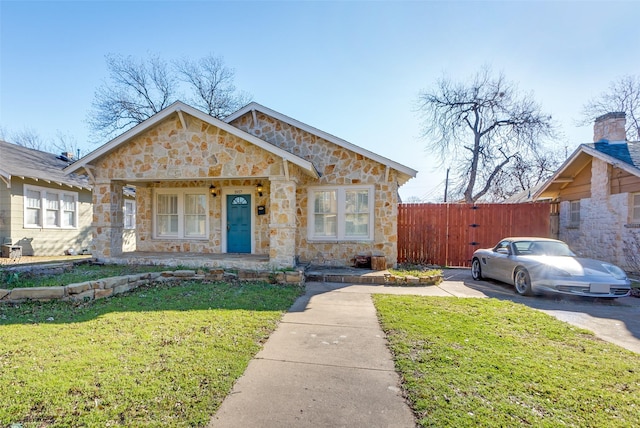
(574, 213)
(181, 213)
(325, 214)
(341, 213)
(195, 215)
(48, 208)
(33, 208)
(635, 208)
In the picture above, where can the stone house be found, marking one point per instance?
(258, 183)
(43, 211)
(598, 191)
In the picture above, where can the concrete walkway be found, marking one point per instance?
(326, 365)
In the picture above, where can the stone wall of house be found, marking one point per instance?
(170, 152)
(337, 166)
(603, 220)
(168, 156)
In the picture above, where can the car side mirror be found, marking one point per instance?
(503, 251)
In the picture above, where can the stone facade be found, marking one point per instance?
(604, 221)
(605, 192)
(186, 152)
(338, 166)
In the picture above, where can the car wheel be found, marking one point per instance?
(522, 282)
(476, 270)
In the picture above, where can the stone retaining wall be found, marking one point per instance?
(101, 288)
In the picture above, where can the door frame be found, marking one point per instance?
(237, 190)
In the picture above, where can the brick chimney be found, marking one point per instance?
(610, 128)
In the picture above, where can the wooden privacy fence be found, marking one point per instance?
(448, 234)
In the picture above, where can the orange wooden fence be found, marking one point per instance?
(448, 234)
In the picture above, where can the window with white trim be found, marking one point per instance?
(574, 213)
(181, 213)
(49, 208)
(341, 213)
(129, 214)
(635, 208)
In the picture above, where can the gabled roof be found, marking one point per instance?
(18, 161)
(625, 156)
(324, 135)
(179, 108)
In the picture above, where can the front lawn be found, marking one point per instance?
(159, 356)
(485, 362)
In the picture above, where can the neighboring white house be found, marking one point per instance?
(598, 189)
(43, 211)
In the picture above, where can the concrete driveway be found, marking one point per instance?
(614, 320)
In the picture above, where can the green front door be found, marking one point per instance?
(238, 223)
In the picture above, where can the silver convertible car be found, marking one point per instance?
(537, 264)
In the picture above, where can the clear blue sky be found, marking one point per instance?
(352, 69)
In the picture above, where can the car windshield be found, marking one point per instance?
(543, 248)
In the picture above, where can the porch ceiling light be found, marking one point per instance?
(259, 189)
(213, 191)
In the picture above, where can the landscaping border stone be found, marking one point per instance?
(107, 287)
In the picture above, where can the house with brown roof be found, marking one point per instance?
(598, 190)
(258, 183)
(43, 210)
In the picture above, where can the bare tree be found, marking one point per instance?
(524, 174)
(29, 138)
(623, 95)
(212, 84)
(66, 143)
(481, 126)
(137, 91)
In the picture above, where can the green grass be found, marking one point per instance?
(159, 356)
(484, 362)
(79, 273)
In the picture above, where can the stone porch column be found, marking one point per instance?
(108, 220)
(282, 226)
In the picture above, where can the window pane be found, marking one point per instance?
(33, 199)
(69, 218)
(51, 218)
(168, 204)
(69, 211)
(129, 214)
(357, 225)
(325, 214)
(167, 215)
(68, 203)
(195, 209)
(195, 204)
(357, 201)
(53, 201)
(325, 225)
(575, 212)
(32, 216)
(167, 225)
(326, 202)
(636, 208)
(194, 225)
